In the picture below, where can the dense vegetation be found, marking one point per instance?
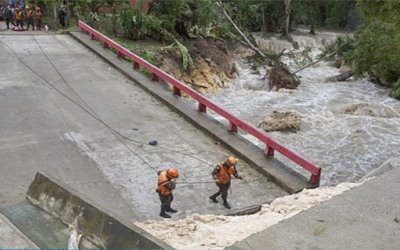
(373, 51)
(377, 45)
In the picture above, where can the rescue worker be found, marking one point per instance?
(18, 18)
(222, 176)
(38, 18)
(61, 16)
(166, 184)
(8, 15)
(29, 18)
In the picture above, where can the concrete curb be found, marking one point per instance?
(286, 178)
(100, 226)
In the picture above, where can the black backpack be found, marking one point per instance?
(8, 13)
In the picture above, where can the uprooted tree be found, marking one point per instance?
(278, 75)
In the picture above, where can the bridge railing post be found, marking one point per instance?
(120, 55)
(154, 77)
(315, 178)
(202, 108)
(232, 127)
(269, 151)
(177, 91)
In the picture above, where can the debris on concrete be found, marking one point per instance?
(203, 231)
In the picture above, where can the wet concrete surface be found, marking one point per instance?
(42, 130)
(11, 237)
(47, 232)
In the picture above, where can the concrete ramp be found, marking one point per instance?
(62, 205)
(12, 237)
(46, 232)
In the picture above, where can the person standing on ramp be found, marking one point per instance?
(166, 184)
(222, 176)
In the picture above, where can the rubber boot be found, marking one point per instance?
(163, 214)
(171, 210)
(226, 204)
(213, 199)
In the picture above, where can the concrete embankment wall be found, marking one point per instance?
(101, 227)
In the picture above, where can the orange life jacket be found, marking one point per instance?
(29, 14)
(18, 16)
(38, 14)
(162, 181)
(224, 175)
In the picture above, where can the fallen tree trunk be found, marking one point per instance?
(340, 77)
(259, 52)
(311, 64)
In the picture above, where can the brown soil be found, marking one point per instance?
(215, 64)
(280, 77)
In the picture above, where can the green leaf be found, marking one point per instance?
(319, 230)
(187, 61)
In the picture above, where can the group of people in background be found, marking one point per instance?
(21, 16)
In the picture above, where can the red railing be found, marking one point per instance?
(204, 103)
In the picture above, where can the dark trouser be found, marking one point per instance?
(166, 201)
(62, 21)
(39, 24)
(19, 23)
(223, 191)
(30, 22)
(8, 21)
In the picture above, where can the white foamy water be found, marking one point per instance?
(346, 145)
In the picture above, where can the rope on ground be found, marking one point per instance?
(92, 113)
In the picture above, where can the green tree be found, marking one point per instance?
(132, 21)
(181, 16)
(257, 15)
(377, 49)
(338, 13)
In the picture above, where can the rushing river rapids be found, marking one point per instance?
(348, 128)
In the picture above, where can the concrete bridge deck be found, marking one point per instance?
(41, 130)
(66, 112)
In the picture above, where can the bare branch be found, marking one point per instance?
(259, 52)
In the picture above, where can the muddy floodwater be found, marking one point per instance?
(348, 128)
